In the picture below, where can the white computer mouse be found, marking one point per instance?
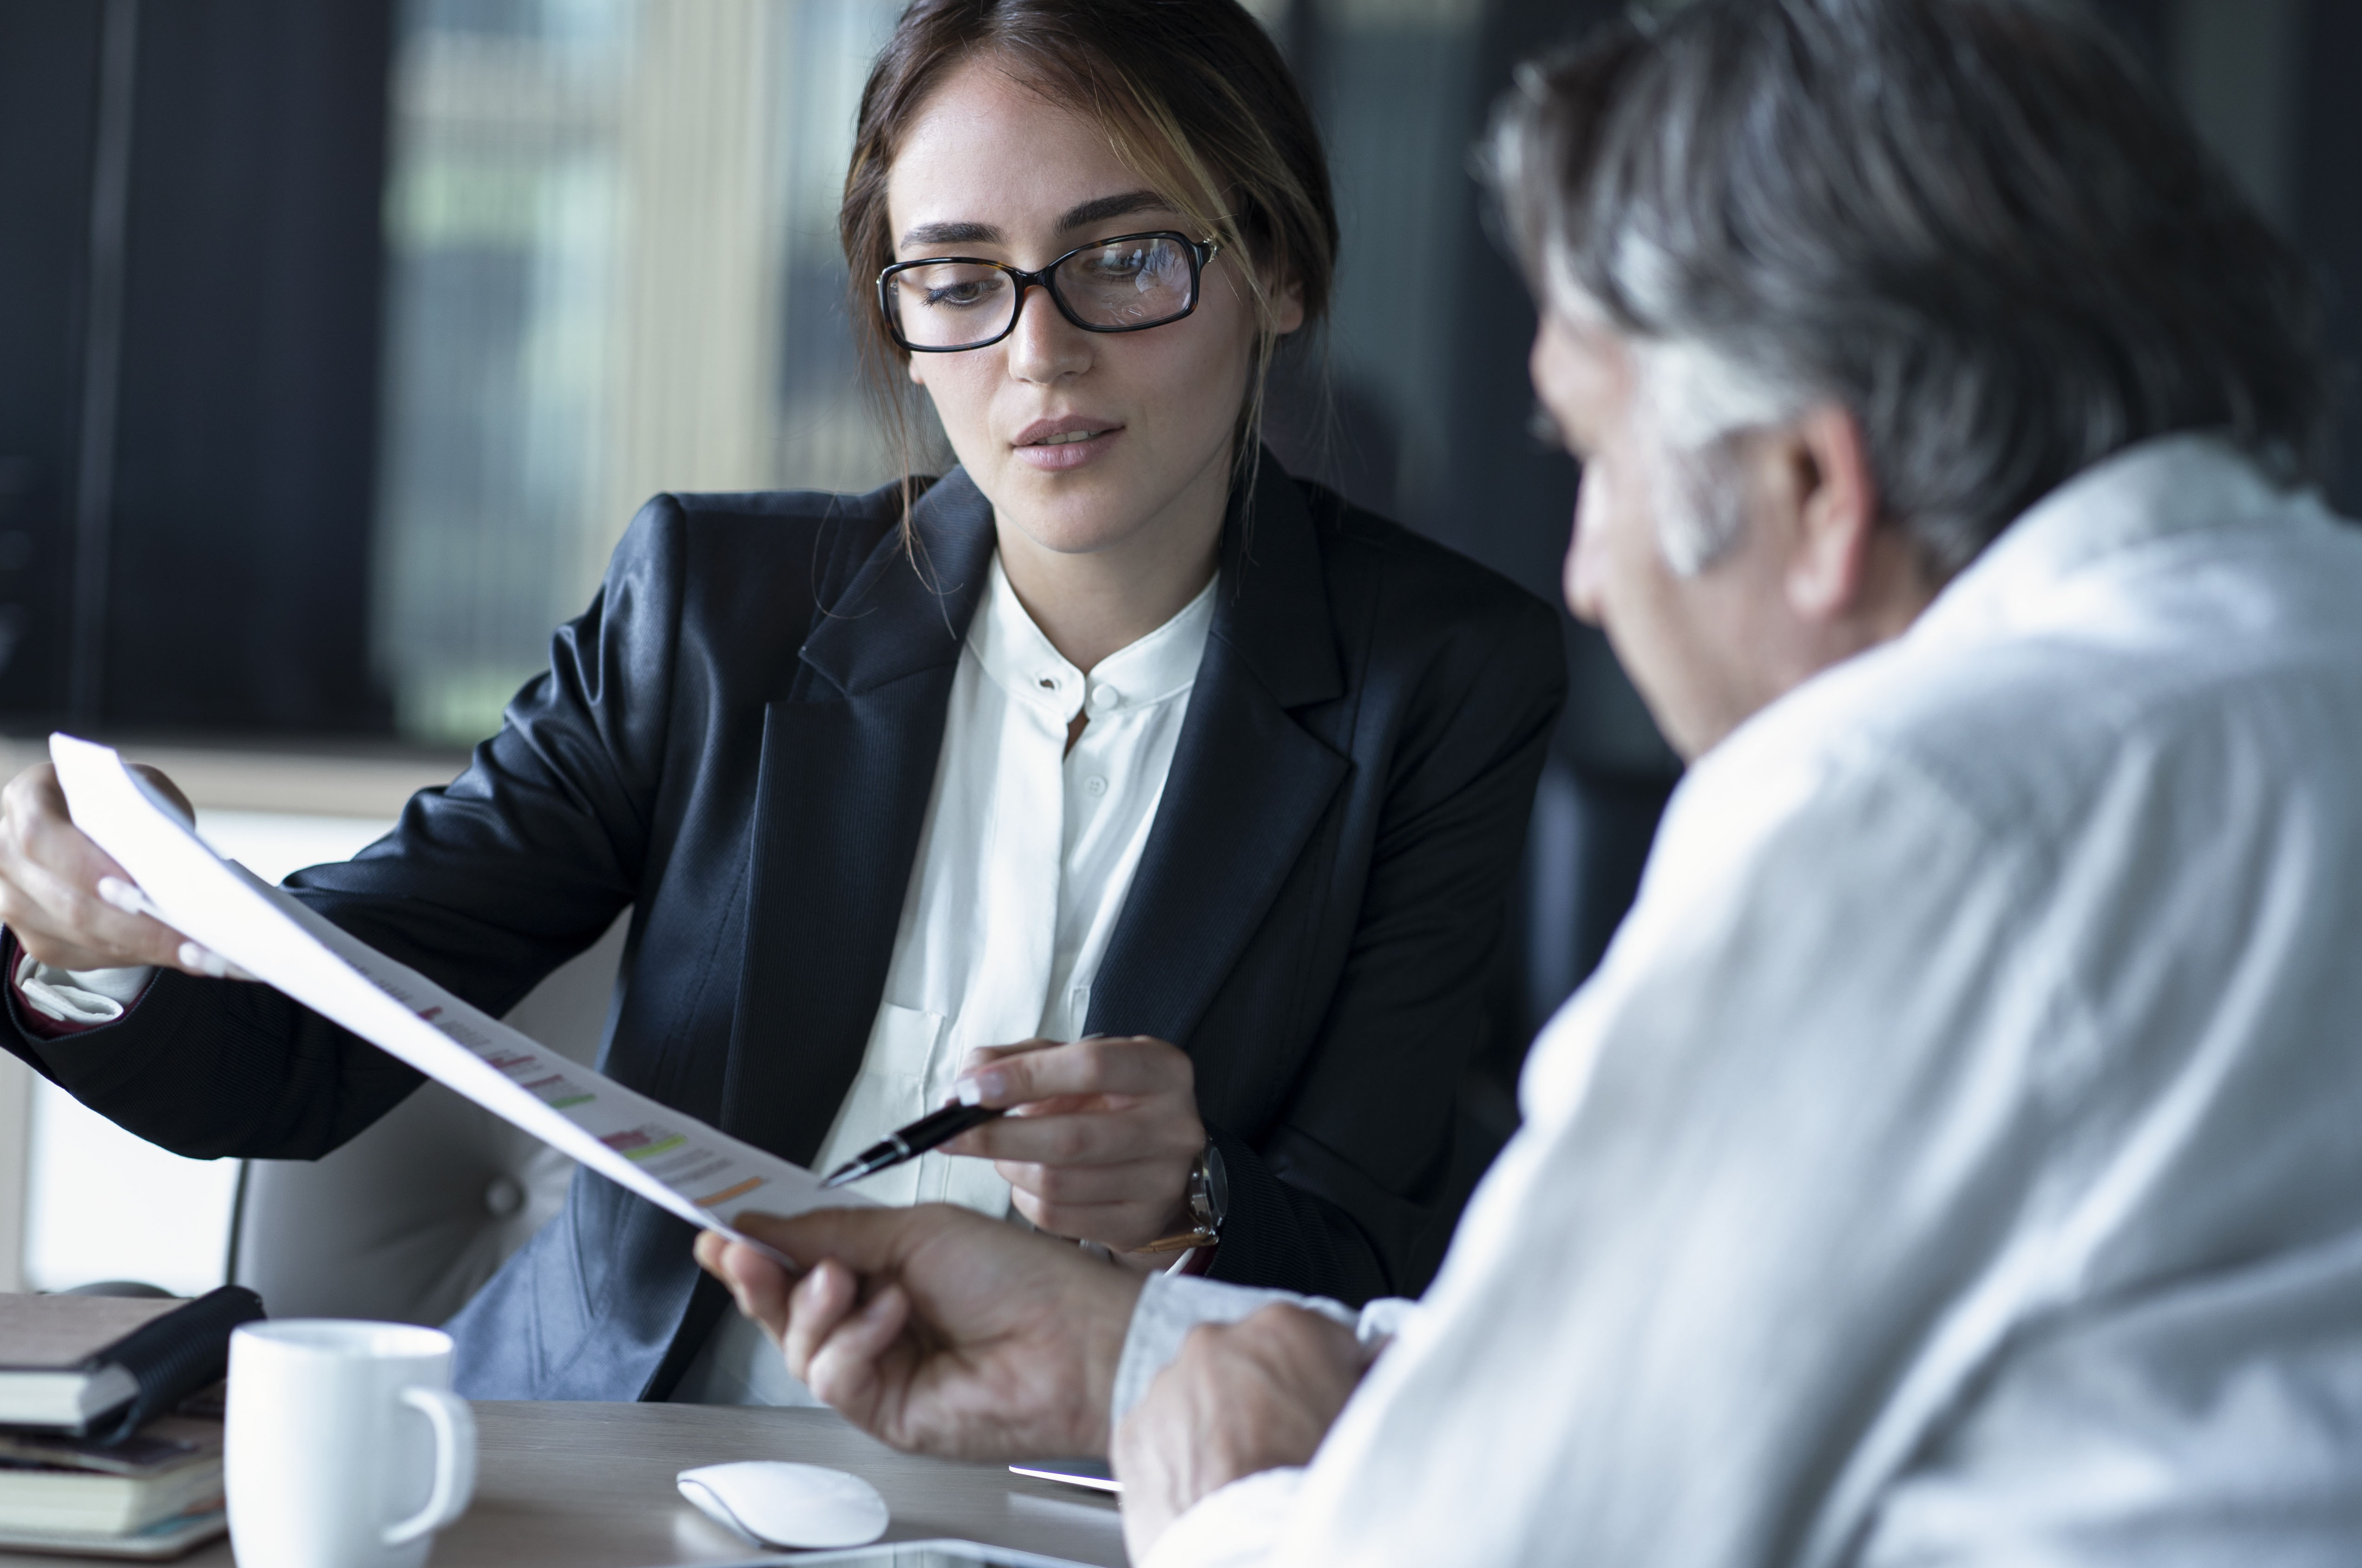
(780, 1504)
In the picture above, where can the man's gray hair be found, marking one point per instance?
(1974, 223)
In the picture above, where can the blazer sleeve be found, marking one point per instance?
(1341, 1195)
(484, 885)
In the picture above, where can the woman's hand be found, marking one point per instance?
(1099, 1139)
(55, 886)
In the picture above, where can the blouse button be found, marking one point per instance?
(1105, 699)
(1095, 787)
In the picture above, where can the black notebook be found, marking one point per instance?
(103, 1365)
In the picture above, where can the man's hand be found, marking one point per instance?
(938, 1329)
(1100, 1139)
(1239, 1397)
(55, 886)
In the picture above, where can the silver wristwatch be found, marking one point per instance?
(1209, 1203)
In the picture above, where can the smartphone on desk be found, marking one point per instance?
(915, 1554)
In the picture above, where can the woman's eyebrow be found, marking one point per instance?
(1100, 208)
(949, 233)
(1097, 209)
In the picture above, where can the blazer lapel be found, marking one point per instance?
(849, 760)
(1248, 784)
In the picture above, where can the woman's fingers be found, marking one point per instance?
(1138, 1181)
(1100, 1137)
(68, 902)
(167, 788)
(1122, 1227)
(979, 1055)
(1137, 1065)
(1161, 1132)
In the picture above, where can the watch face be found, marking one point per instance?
(1217, 1183)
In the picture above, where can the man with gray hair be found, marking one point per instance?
(1958, 1156)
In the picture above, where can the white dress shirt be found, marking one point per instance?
(1024, 861)
(1958, 1156)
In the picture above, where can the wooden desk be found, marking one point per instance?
(590, 1486)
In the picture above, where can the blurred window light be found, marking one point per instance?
(612, 270)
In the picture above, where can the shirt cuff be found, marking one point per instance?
(1235, 1526)
(1170, 1306)
(77, 999)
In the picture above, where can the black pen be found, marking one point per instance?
(931, 1131)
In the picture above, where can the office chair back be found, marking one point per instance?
(408, 1221)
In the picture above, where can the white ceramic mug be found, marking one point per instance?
(347, 1448)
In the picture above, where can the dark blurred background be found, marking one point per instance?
(338, 343)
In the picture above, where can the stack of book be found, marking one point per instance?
(110, 1421)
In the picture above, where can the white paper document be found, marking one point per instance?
(672, 1159)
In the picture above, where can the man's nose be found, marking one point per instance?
(1045, 346)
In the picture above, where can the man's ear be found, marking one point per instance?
(1837, 513)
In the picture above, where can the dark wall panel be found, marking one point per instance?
(1518, 511)
(246, 449)
(2328, 186)
(49, 64)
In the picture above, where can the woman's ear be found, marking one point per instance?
(1287, 309)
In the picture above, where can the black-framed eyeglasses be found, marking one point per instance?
(944, 304)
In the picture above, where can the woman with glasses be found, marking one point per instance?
(1114, 777)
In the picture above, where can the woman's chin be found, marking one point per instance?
(1077, 512)
(1064, 530)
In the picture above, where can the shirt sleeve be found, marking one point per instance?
(67, 1002)
(1234, 1527)
(1170, 1306)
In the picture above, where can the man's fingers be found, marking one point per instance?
(817, 1305)
(869, 1241)
(707, 1250)
(1133, 1066)
(757, 1285)
(844, 1371)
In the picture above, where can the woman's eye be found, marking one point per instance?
(950, 288)
(1119, 264)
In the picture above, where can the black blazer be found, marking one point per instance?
(738, 739)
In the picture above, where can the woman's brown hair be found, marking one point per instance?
(1194, 98)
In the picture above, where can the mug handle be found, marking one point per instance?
(454, 1462)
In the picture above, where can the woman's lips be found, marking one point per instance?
(1056, 448)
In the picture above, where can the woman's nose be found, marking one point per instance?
(1045, 346)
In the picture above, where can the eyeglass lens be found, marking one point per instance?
(959, 304)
